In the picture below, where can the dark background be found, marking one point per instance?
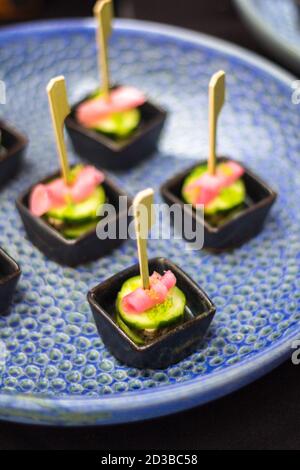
(215, 17)
(264, 415)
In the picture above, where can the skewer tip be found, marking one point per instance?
(99, 5)
(149, 192)
(54, 81)
(216, 77)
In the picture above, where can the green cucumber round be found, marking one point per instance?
(81, 212)
(130, 333)
(169, 312)
(120, 124)
(229, 198)
(75, 231)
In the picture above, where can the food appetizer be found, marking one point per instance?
(115, 127)
(10, 274)
(12, 149)
(230, 202)
(70, 206)
(152, 314)
(61, 213)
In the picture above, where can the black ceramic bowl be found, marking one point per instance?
(15, 145)
(86, 248)
(171, 346)
(236, 230)
(104, 152)
(10, 274)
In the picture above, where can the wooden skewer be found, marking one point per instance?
(60, 109)
(144, 218)
(216, 102)
(103, 12)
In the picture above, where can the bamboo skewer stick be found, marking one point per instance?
(103, 12)
(60, 109)
(216, 102)
(144, 219)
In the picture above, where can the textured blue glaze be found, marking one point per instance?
(277, 22)
(282, 16)
(56, 369)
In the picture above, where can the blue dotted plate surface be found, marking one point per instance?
(277, 23)
(54, 367)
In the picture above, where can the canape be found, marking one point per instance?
(62, 213)
(12, 148)
(229, 201)
(10, 274)
(242, 211)
(105, 151)
(68, 233)
(115, 127)
(151, 321)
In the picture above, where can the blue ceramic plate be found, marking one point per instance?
(277, 25)
(54, 367)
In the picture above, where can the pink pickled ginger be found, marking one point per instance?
(121, 99)
(141, 300)
(55, 194)
(205, 189)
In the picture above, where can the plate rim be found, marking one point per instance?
(278, 45)
(150, 403)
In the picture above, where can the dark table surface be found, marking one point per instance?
(264, 415)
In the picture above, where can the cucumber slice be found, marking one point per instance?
(131, 334)
(81, 212)
(228, 198)
(170, 311)
(119, 124)
(75, 231)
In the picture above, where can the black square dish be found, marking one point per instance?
(105, 152)
(236, 229)
(164, 350)
(14, 145)
(10, 274)
(81, 250)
